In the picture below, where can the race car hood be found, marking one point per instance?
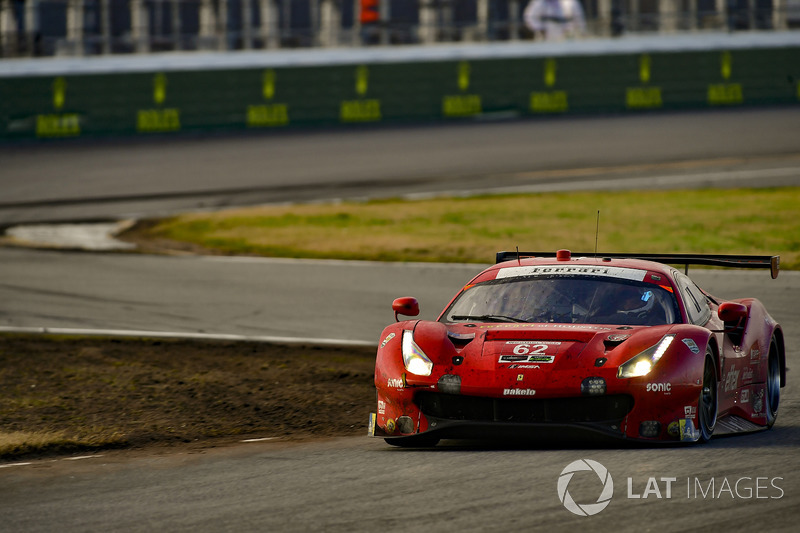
(528, 357)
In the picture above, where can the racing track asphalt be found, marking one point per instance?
(361, 484)
(83, 180)
(357, 483)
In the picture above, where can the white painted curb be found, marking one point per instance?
(185, 335)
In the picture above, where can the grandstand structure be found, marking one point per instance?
(32, 28)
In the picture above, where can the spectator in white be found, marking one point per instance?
(555, 20)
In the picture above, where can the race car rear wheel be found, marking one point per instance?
(773, 383)
(707, 408)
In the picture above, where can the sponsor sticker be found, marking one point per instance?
(389, 337)
(659, 387)
(691, 345)
(529, 352)
(395, 383)
(526, 359)
(690, 412)
(381, 407)
(731, 379)
(758, 401)
(519, 392)
(745, 397)
(574, 270)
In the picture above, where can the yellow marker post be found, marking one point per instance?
(362, 80)
(268, 86)
(726, 65)
(59, 92)
(462, 105)
(158, 120)
(271, 114)
(159, 88)
(463, 75)
(644, 68)
(550, 67)
(549, 101)
(360, 110)
(725, 93)
(58, 124)
(644, 97)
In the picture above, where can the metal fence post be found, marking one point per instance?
(513, 20)
(269, 23)
(330, 22)
(140, 27)
(427, 21)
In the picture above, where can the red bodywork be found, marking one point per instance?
(478, 388)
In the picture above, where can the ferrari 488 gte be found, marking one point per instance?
(615, 345)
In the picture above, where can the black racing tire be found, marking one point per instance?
(708, 403)
(773, 388)
(414, 441)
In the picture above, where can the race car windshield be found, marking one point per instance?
(566, 300)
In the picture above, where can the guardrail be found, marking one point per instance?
(142, 95)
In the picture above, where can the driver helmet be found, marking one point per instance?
(635, 300)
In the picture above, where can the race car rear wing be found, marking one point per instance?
(772, 262)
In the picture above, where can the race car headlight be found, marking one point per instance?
(643, 363)
(414, 358)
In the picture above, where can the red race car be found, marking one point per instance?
(616, 345)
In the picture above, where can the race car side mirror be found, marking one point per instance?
(406, 305)
(733, 315)
(732, 312)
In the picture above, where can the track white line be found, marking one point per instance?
(10, 465)
(185, 335)
(633, 183)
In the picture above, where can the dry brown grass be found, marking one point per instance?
(743, 221)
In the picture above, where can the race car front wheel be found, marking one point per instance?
(707, 408)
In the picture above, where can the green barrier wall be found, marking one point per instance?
(173, 101)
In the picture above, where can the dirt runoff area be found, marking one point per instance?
(61, 395)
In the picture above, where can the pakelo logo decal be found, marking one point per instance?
(587, 509)
(518, 392)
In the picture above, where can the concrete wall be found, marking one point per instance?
(145, 95)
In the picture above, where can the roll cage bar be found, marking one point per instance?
(772, 262)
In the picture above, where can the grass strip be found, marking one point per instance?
(732, 221)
